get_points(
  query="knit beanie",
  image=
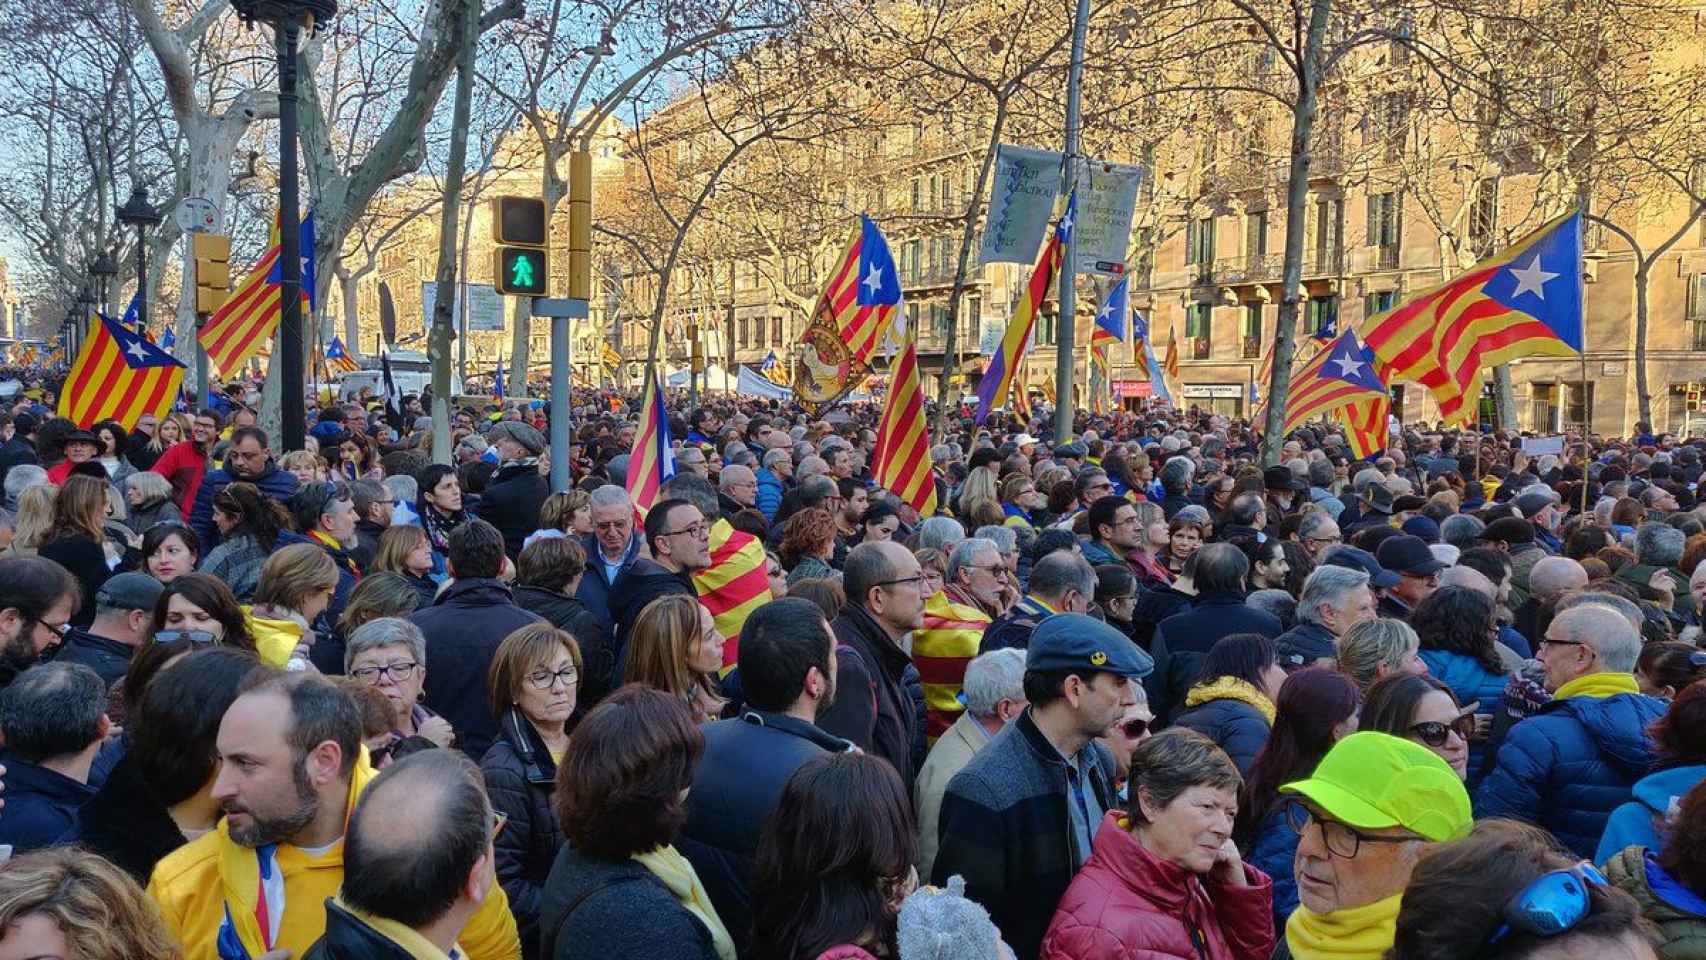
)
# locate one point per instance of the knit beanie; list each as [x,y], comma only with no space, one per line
[938,924]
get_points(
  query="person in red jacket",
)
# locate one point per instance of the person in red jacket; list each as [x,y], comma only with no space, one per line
[1165,880]
[185,463]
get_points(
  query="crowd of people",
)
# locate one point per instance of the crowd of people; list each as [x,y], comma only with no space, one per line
[1133,695]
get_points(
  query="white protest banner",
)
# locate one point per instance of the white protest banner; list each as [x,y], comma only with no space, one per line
[1021,200]
[1107,198]
[1536,446]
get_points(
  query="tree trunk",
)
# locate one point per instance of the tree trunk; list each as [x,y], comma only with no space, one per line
[968,235]
[1296,200]
[348,284]
[1643,393]
[1504,398]
[439,342]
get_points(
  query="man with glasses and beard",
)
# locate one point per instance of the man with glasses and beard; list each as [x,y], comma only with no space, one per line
[290,774]
[250,460]
[37,600]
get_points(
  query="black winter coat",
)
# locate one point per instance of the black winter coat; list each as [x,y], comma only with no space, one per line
[125,823]
[87,561]
[348,938]
[1233,725]
[873,707]
[736,787]
[519,774]
[598,650]
[640,584]
[1183,639]
[275,484]
[512,501]
[463,630]
[1155,604]
[108,658]
[597,909]
[41,805]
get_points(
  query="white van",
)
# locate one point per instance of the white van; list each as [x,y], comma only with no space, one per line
[411,375]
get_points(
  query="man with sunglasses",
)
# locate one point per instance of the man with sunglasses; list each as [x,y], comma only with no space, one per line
[1374,804]
[1569,766]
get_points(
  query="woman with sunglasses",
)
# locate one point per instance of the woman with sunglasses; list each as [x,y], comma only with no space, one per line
[1457,627]
[1421,709]
[531,688]
[1508,891]
[1316,708]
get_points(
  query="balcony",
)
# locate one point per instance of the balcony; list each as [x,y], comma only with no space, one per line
[1230,271]
[1386,257]
[1324,261]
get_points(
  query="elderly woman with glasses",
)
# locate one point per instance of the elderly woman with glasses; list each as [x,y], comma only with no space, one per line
[532,685]
[389,654]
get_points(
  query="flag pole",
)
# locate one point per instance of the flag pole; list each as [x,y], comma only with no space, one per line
[1067,339]
[1587,417]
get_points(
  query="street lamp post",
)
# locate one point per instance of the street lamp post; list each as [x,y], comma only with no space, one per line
[290,20]
[105,269]
[137,213]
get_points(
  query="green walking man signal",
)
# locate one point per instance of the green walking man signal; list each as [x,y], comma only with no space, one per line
[523,262]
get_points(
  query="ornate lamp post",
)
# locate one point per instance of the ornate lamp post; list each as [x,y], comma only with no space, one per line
[290,20]
[105,269]
[137,213]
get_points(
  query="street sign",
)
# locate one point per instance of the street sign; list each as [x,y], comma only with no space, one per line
[559,307]
[196,215]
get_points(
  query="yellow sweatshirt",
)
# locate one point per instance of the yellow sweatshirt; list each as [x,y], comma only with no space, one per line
[201,884]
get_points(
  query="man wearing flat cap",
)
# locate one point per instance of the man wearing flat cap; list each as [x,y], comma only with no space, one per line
[1017,822]
[517,492]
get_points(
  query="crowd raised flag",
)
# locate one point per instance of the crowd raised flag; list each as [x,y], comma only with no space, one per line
[338,359]
[651,462]
[250,318]
[901,460]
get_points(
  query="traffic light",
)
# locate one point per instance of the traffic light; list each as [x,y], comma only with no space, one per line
[523,260]
[212,253]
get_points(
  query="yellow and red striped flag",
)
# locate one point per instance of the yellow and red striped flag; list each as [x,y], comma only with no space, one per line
[901,460]
[863,295]
[734,585]
[119,376]
[1009,355]
[651,462]
[941,649]
[1365,425]
[250,318]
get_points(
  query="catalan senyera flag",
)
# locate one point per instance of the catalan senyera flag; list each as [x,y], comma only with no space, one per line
[119,376]
[1525,301]
[338,359]
[941,649]
[1341,374]
[1003,367]
[1021,394]
[863,294]
[250,317]
[1365,425]
[1259,387]
[651,462]
[1170,366]
[735,584]
[901,460]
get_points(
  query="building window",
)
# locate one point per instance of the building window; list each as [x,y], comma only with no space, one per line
[1543,406]
[1324,316]
[745,330]
[916,249]
[1199,248]
[912,316]
[1484,218]
[777,331]
[1329,236]
[1256,235]
[1378,302]
[917,189]
[1045,330]
[1576,412]
[759,336]
[1252,331]
[1385,227]
[1199,324]
[1697,311]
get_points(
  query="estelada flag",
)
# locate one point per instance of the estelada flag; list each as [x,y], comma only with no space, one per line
[119,376]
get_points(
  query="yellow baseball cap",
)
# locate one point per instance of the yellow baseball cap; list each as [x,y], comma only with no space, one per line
[1375,780]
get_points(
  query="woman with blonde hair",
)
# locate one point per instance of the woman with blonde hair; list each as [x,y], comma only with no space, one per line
[173,428]
[33,519]
[675,647]
[531,688]
[406,551]
[296,586]
[569,511]
[1376,649]
[305,465]
[979,489]
[67,902]
[76,536]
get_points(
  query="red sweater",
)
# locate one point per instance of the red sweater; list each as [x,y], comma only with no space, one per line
[1126,904]
[184,466]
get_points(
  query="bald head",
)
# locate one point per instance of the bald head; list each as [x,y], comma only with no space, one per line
[1471,578]
[1555,576]
[388,871]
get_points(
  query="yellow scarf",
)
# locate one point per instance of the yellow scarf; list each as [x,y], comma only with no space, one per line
[1231,688]
[1362,933]
[1598,685]
[678,877]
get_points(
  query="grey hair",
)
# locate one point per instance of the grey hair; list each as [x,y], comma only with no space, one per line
[941,453]
[1321,472]
[1277,602]
[1177,471]
[993,677]
[1373,644]
[1365,478]
[1460,530]
[1658,544]
[1313,521]
[809,466]
[965,554]
[402,487]
[1194,513]
[940,533]
[772,456]
[1061,571]
[385,632]
[1006,539]
[22,477]
[609,495]
[1626,607]
[148,483]
[696,490]
[1331,586]
[1609,633]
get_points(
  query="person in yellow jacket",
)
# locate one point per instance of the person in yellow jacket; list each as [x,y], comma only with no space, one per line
[255,888]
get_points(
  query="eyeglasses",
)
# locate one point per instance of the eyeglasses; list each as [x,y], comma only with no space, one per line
[916,579]
[200,638]
[546,679]
[399,672]
[698,531]
[1342,839]
[999,571]
[1552,904]
[1324,540]
[1133,729]
[1549,642]
[1435,733]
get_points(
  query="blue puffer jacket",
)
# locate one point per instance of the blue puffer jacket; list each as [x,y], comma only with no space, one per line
[1233,725]
[1470,682]
[1633,824]
[1273,851]
[1568,766]
[769,493]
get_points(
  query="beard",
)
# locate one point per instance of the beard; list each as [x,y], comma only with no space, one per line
[19,653]
[260,831]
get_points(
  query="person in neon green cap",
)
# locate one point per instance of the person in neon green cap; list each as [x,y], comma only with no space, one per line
[1373,805]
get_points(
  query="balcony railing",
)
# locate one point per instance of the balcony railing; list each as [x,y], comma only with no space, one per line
[1252,348]
[1387,258]
[1324,262]
[1248,269]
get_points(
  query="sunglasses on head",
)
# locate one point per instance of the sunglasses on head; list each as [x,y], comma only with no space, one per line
[1434,733]
[1133,729]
